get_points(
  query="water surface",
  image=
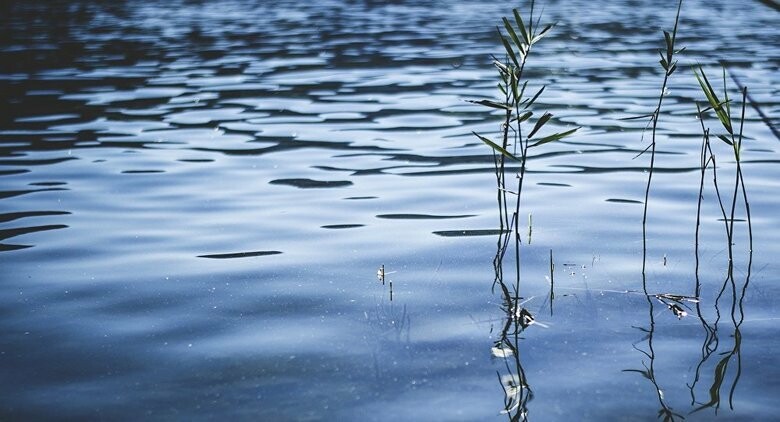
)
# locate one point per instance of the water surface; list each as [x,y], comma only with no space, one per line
[195,198]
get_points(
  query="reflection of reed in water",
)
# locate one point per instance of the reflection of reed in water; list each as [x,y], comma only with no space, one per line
[513,380]
[391,326]
[733,297]
[730,288]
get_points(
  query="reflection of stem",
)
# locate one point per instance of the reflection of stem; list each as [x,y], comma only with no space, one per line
[649,371]
[721,369]
[552,282]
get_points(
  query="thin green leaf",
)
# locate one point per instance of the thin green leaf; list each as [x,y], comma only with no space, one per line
[644,116]
[523,117]
[712,98]
[509,50]
[512,34]
[491,104]
[523,31]
[672,68]
[535,97]
[554,137]
[645,374]
[513,84]
[669,45]
[542,33]
[726,94]
[719,110]
[495,146]
[663,61]
[710,108]
[725,139]
[539,123]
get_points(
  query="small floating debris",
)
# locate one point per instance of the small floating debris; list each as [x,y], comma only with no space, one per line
[675,303]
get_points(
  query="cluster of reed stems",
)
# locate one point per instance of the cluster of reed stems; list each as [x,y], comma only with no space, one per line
[520,132]
[721,107]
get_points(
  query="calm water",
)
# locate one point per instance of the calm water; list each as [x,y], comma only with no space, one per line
[195,198]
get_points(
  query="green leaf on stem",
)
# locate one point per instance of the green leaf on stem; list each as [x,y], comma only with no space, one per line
[496,147]
[554,137]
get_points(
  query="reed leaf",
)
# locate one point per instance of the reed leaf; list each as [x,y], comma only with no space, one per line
[509,50]
[491,104]
[542,33]
[530,103]
[554,137]
[521,26]
[496,147]
[539,123]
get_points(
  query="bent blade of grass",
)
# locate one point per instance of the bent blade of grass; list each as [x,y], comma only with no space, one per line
[542,33]
[712,98]
[496,147]
[509,50]
[491,104]
[644,116]
[554,137]
[523,31]
[539,123]
[530,103]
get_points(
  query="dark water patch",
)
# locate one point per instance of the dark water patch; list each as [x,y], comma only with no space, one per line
[12,193]
[12,172]
[41,162]
[196,160]
[6,247]
[239,254]
[554,184]
[311,184]
[11,216]
[48,183]
[469,233]
[624,201]
[142,171]
[342,226]
[606,170]
[422,216]
[359,198]
[9,233]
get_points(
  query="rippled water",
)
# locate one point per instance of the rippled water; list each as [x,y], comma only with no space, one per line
[196,196]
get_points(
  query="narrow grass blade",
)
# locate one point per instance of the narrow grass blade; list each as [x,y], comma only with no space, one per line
[539,123]
[509,50]
[523,117]
[530,103]
[725,139]
[496,147]
[644,116]
[709,92]
[554,137]
[542,33]
[491,104]
[523,31]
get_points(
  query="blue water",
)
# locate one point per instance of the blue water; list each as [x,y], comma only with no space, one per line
[195,198]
